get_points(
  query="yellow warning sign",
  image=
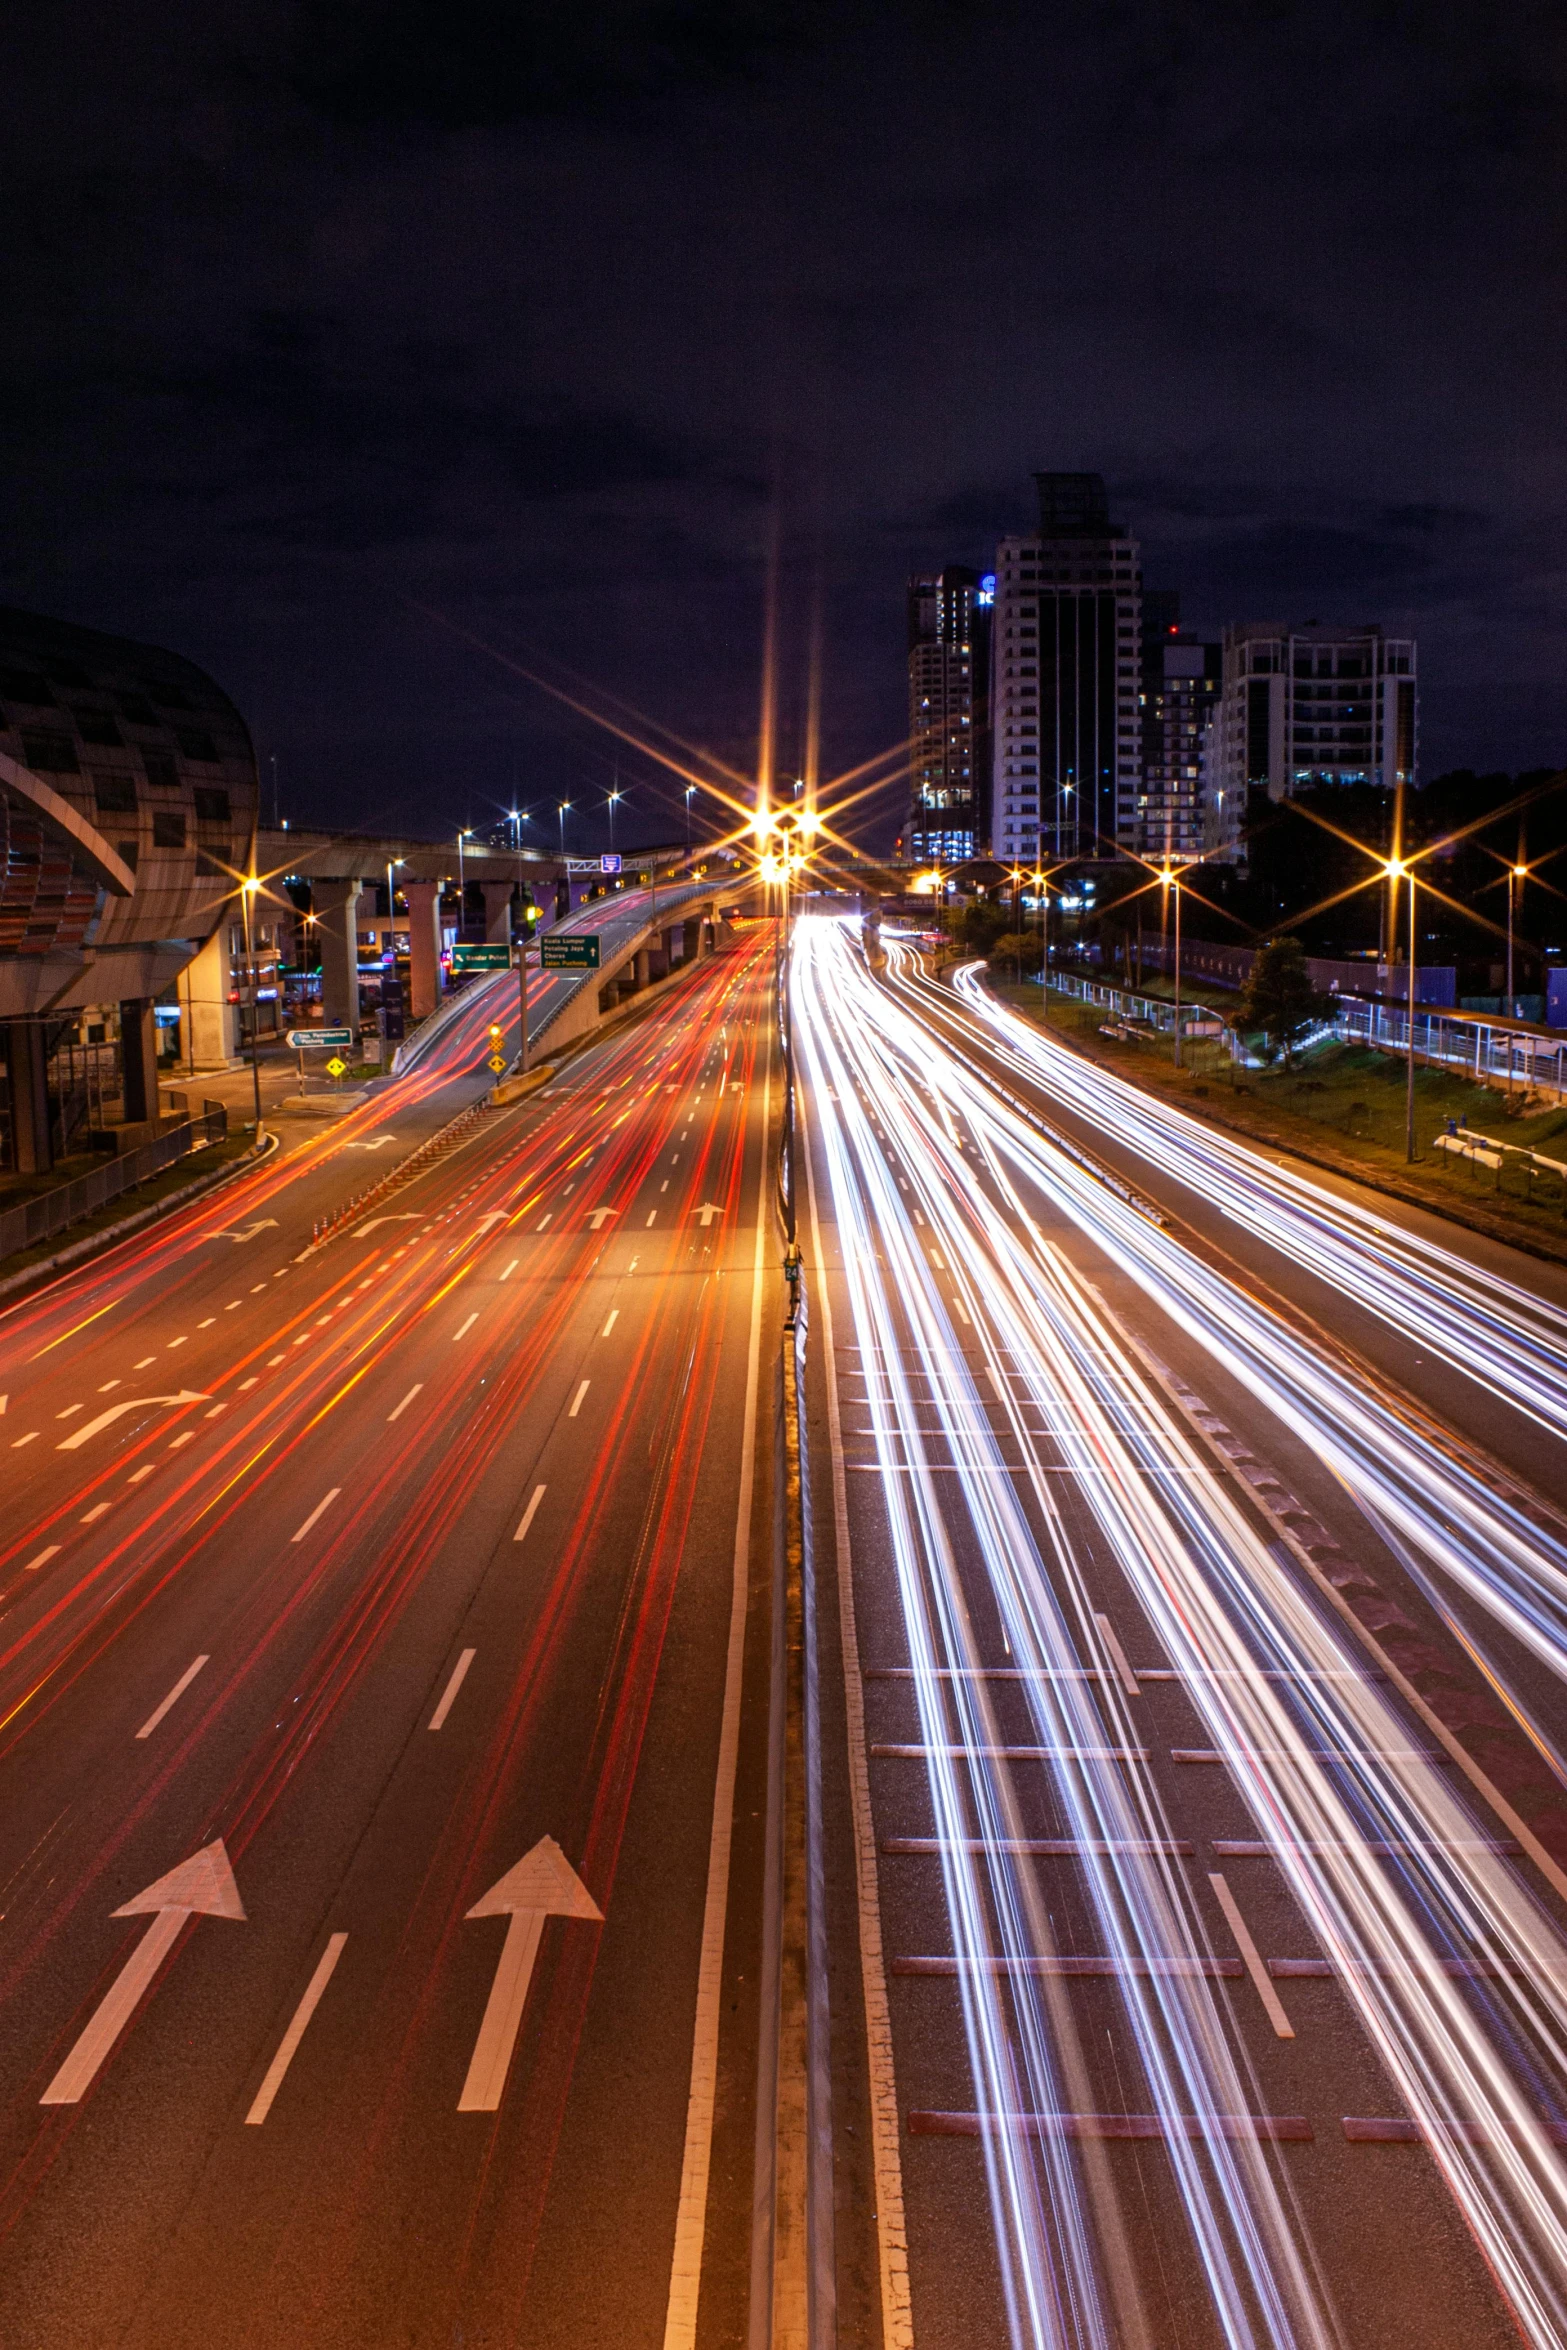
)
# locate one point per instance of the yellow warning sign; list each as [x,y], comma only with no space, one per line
[336,1068]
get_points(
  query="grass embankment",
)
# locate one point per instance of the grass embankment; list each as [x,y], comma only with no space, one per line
[1343,1105]
[129,1203]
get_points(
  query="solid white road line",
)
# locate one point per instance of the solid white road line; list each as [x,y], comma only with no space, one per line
[610,1324]
[174,1696]
[467,1326]
[318,1982]
[1254,1966]
[43,1558]
[317,1511]
[527,1515]
[897,2321]
[448,1695]
[685,2270]
[407,1400]
[1128,1679]
[576,1401]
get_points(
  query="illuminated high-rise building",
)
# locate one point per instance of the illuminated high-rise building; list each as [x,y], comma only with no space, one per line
[949,705]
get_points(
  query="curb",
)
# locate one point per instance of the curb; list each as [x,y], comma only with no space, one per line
[98,1244]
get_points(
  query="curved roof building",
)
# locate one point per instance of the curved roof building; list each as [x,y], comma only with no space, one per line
[128,803]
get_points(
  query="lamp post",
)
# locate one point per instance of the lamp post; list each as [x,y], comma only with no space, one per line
[1396,871]
[1042,887]
[246,895]
[1515,873]
[1170,881]
[690,790]
[614,802]
[561,812]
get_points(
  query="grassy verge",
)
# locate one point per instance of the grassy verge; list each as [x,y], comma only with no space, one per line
[129,1203]
[1343,1106]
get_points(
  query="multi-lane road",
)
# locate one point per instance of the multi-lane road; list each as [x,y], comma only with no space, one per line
[1204,1678]
[387,1650]
[371,1654]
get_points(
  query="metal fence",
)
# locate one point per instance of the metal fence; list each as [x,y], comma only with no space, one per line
[50,1212]
[1467,1045]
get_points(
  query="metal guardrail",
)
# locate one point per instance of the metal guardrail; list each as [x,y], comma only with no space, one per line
[33,1220]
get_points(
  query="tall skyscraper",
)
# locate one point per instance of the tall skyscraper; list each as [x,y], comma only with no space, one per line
[950,615]
[1180,685]
[1308,706]
[1066,762]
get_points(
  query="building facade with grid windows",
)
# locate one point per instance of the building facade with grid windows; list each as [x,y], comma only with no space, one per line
[950,613]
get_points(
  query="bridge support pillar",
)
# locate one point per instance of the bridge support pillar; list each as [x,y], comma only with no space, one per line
[337,934]
[644,966]
[692,932]
[213,1042]
[138,1059]
[497,912]
[32,1151]
[424,947]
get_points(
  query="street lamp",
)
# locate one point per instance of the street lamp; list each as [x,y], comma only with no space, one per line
[561,812]
[1396,870]
[246,895]
[690,792]
[1515,873]
[615,798]
[1167,876]
[1042,888]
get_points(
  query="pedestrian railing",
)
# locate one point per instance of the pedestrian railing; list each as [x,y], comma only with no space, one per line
[40,1218]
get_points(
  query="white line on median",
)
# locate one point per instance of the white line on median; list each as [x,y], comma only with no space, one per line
[174,1696]
[527,1515]
[448,1695]
[317,1511]
[407,1400]
[296,2030]
[576,1401]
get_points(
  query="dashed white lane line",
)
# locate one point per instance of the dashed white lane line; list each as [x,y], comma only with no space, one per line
[539,1227]
[527,1515]
[407,1400]
[467,1326]
[320,1508]
[1254,1964]
[576,1401]
[664,1186]
[69,1409]
[145,1360]
[318,1982]
[962,1309]
[108,1387]
[50,1550]
[186,1436]
[449,1693]
[652,1218]
[99,1510]
[256,1287]
[233,1305]
[174,1342]
[511,1268]
[217,1407]
[610,1324]
[250,1382]
[1124,1673]
[17,1442]
[137,1475]
[273,1361]
[174,1696]
[207,1324]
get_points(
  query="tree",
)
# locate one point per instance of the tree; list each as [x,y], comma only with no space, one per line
[1279,1000]
[1016,950]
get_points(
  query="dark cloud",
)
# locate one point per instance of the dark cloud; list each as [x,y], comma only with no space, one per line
[318,312]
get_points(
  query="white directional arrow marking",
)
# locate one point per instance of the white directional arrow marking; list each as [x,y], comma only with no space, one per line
[363,1231]
[598,1215]
[133,1403]
[543,1884]
[707,1212]
[202,1886]
[377,1142]
[495,1216]
[267,1224]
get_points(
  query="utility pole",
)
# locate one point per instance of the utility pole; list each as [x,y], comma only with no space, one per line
[246,894]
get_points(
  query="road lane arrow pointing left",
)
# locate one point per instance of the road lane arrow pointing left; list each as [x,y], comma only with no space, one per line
[133,1403]
[543,1884]
[202,1886]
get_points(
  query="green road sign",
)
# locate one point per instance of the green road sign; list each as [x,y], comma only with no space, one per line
[573,953]
[485,958]
[306,1040]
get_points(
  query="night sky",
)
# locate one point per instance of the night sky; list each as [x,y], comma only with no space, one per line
[543,317]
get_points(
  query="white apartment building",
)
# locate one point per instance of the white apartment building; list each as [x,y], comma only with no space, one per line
[1066,649]
[1307,706]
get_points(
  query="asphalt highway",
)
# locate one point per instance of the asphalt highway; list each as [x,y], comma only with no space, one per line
[1202,1688]
[371,1638]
